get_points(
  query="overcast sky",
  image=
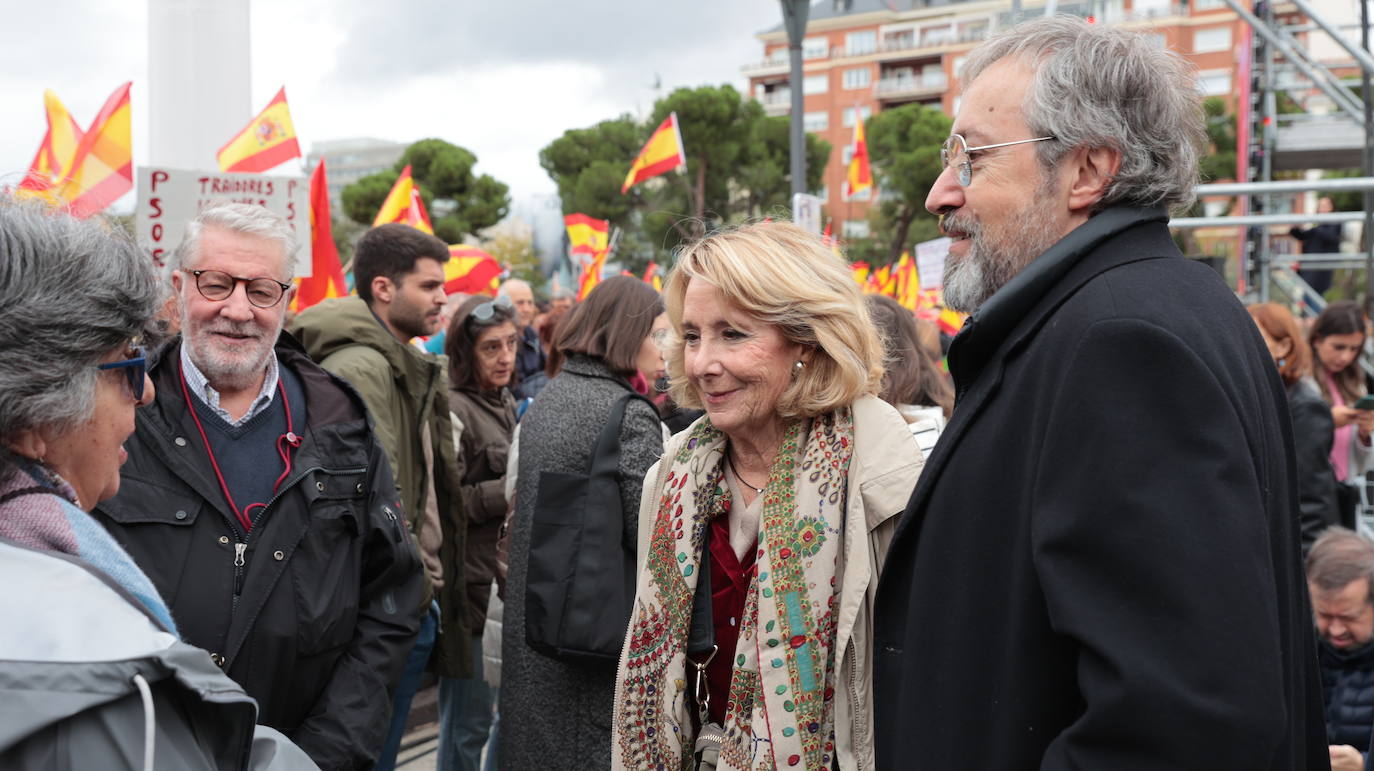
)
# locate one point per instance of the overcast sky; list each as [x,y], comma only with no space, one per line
[501,79]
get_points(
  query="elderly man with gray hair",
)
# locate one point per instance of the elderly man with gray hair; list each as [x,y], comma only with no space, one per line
[1099,567]
[262,506]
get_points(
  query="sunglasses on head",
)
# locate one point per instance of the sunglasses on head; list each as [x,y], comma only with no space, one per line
[135,370]
[484,312]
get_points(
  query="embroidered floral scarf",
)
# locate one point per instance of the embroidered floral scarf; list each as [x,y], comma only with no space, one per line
[779,712]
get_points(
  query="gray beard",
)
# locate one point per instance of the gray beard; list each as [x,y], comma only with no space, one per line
[994,258]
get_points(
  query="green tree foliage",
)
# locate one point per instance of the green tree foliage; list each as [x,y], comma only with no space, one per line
[904,149]
[737,167]
[1220,161]
[459,201]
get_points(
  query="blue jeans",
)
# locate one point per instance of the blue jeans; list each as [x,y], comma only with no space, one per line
[406,688]
[465,717]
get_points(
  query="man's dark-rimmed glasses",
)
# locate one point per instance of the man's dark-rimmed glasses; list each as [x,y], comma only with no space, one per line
[217,285]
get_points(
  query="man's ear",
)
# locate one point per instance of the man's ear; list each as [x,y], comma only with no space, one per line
[1093,170]
[177,278]
[382,289]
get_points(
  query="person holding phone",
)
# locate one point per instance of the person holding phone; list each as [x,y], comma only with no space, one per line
[1337,338]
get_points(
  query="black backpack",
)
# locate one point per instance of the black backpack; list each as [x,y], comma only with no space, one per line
[580,582]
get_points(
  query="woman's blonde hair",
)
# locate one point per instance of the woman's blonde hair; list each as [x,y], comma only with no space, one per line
[784,276]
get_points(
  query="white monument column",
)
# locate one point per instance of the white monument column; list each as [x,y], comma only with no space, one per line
[199,79]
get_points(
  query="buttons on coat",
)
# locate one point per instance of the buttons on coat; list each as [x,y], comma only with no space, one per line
[224,539]
[359,488]
[180,441]
[319,486]
[180,515]
[217,659]
[278,556]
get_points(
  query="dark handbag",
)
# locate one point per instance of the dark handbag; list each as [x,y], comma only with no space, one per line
[579,584]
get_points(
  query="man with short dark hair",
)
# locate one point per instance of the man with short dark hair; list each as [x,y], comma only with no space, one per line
[259,501]
[1099,566]
[1340,575]
[399,276]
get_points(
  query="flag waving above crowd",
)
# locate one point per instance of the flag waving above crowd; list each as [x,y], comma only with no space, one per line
[661,154]
[87,170]
[268,140]
[404,205]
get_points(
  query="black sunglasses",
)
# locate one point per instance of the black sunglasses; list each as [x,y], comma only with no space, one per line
[135,370]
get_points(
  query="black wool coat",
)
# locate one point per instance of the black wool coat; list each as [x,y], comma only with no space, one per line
[1099,567]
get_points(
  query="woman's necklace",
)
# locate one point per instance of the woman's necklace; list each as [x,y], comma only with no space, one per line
[731,463]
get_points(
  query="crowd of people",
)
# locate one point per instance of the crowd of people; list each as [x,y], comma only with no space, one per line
[748,523]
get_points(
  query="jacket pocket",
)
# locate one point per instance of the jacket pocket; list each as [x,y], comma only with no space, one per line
[156,526]
[326,565]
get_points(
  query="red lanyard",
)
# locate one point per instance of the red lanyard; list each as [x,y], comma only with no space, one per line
[289,439]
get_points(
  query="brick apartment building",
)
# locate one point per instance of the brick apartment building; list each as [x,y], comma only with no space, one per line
[865,56]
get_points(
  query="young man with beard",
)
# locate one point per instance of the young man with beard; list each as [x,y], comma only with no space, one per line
[260,503]
[1099,567]
[399,276]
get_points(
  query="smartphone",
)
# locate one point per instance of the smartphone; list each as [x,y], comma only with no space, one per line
[1365,403]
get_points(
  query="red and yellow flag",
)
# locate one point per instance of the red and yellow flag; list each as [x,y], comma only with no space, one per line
[102,167]
[859,177]
[588,235]
[661,154]
[591,275]
[268,140]
[326,275]
[403,204]
[860,272]
[56,152]
[908,283]
[652,277]
[471,271]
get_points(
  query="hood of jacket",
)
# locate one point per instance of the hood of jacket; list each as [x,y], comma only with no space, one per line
[343,322]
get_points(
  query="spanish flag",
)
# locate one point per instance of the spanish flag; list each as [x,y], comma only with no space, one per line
[859,177]
[661,154]
[860,271]
[102,168]
[588,235]
[57,150]
[268,140]
[908,283]
[591,275]
[471,271]
[326,275]
[403,204]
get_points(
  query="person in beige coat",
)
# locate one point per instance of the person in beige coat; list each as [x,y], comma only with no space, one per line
[771,516]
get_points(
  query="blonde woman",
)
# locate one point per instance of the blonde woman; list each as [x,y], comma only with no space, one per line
[779,504]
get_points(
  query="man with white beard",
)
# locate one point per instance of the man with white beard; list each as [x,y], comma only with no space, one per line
[1099,566]
[260,503]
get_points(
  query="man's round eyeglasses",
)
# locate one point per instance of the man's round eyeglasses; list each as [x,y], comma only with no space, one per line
[135,368]
[956,152]
[217,285]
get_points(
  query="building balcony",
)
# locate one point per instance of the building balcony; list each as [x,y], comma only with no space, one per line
[775,66]
[911,86]
[776,102]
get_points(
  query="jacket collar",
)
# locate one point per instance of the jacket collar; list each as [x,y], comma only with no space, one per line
[1044,279]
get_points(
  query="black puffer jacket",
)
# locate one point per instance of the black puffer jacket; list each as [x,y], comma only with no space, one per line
[1313,430]
[1348,691]
[329,582]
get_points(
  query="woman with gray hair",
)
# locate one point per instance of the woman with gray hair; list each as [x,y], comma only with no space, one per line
[764,526]
[76,323]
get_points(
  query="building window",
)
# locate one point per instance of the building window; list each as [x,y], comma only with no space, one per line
[855,229]
[860,43]
[1207,5]
[861,77]
[866,112]
[816,84]
[847,155]
[1214,82]
[813,48]
[1213,39]
[816,121]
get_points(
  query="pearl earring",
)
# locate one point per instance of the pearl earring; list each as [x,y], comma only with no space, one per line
[799,366]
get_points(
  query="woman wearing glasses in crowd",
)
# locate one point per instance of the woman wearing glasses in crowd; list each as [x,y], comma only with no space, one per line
[86,638]
[481,343]
[770,516]
[556,712]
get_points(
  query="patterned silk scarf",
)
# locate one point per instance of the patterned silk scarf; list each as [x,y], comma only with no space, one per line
[779,712]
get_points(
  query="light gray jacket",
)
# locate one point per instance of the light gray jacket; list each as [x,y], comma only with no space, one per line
[86,676]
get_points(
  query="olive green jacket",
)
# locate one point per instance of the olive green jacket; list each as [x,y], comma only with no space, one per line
[406,391]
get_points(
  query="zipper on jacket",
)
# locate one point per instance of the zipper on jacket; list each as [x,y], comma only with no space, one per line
[239,549]
[853,655]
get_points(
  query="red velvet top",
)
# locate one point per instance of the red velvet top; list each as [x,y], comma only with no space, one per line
[730,579]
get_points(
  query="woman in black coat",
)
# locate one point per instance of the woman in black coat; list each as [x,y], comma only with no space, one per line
[1318,503]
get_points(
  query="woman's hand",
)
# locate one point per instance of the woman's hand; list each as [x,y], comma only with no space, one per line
[1343,416]
[1364,424]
